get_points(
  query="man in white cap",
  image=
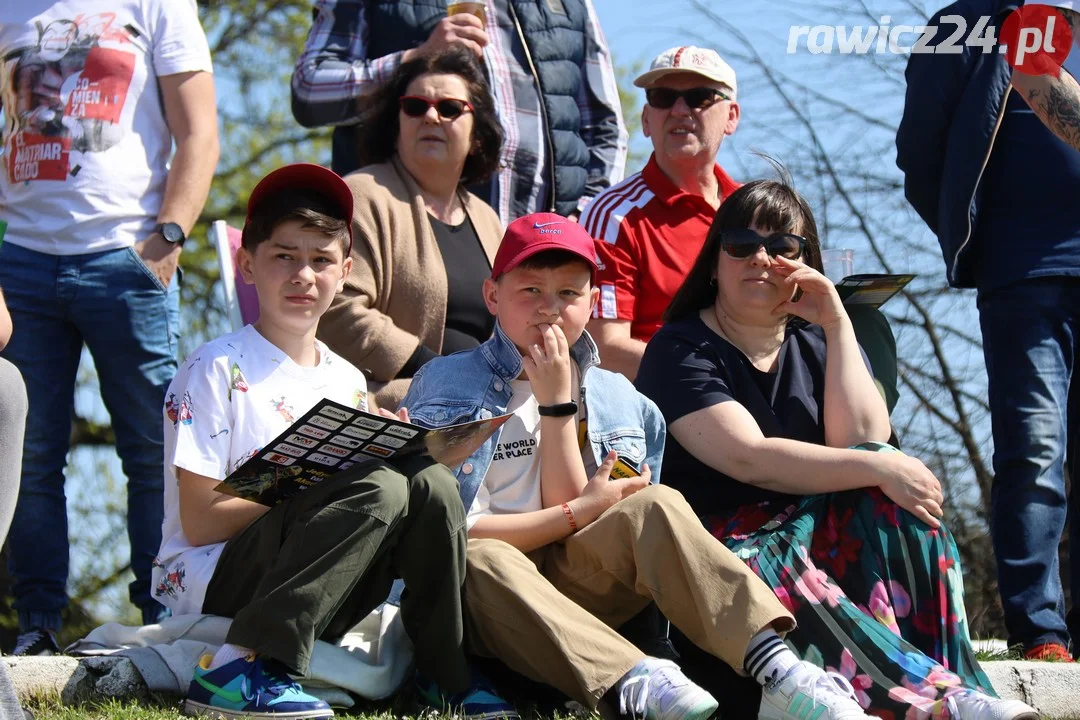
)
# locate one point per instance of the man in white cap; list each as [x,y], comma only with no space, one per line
[650,228]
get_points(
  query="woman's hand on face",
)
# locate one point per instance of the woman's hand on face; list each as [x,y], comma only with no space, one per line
[548,367]
[820,303]
[911,485]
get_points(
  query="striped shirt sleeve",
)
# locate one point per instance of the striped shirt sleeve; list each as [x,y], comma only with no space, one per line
[333,70]
[617,278]
[602,125]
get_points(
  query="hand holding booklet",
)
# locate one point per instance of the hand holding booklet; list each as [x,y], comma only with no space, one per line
[332,437]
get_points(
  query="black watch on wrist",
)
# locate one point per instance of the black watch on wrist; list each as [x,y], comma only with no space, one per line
[561,410]
[173,233]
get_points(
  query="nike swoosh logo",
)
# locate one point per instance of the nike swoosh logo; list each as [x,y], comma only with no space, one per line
[233,696]
[537,225]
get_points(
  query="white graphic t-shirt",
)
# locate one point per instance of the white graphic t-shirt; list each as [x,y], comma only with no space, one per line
[231,397]
[512,483]
[85,142]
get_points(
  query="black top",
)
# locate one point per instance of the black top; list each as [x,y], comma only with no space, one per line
[468,322]
[687,367]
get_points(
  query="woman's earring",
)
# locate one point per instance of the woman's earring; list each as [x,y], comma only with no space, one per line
[712,282]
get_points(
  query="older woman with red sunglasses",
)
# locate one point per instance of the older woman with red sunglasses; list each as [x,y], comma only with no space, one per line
[423,244]
[776,436]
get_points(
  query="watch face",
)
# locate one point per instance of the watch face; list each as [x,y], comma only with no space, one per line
[172,232]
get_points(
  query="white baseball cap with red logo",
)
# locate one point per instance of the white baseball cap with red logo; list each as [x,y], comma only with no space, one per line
[689,59]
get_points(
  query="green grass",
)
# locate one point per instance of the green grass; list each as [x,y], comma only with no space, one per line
[1016,652]
[168,708]
[162,707]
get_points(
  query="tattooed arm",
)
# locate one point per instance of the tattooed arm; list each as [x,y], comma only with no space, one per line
[1055,100]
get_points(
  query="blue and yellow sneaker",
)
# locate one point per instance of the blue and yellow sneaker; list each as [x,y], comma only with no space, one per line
[252,687]
[478,702]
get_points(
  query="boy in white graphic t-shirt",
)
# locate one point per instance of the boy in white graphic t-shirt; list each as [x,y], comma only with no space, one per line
[314,565]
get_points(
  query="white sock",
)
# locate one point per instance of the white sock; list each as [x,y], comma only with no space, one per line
[228,653]
[768,657]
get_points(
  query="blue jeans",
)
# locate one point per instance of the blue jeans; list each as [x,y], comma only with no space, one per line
[1031,339]
[130,323]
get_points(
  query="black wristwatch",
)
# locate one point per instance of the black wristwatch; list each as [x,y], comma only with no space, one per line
[172,233]
[561,410]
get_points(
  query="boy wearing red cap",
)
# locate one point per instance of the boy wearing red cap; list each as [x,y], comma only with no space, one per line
[556,558]
[316,564]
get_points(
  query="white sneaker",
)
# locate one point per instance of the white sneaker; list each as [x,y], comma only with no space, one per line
[807,692]
[974,705]
[657,690]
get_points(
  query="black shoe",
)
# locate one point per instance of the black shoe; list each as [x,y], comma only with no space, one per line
[35,641]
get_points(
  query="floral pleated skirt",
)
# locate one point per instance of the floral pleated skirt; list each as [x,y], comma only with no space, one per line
[878,595]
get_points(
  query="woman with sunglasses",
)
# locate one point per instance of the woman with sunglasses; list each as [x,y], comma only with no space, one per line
[423,244]
[776,436]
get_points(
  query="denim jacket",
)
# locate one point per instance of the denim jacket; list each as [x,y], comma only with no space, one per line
[475,384]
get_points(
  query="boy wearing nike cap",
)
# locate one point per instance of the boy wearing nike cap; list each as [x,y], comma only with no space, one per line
[317,563]
[562,549]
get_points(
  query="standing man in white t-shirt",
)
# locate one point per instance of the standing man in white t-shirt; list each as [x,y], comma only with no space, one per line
[94,93]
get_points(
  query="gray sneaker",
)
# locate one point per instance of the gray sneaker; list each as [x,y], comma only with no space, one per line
[35,641]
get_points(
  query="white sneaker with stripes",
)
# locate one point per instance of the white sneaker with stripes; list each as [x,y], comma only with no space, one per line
[807,692]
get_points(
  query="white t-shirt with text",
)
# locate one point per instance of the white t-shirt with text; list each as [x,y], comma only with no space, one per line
[85,142]
[231,397]
[512,482]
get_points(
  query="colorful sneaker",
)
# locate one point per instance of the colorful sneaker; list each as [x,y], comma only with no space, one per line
[478,702]
[657,690]
[36,641]
[973,705]
[807,691]
[1052,652]
[255,686]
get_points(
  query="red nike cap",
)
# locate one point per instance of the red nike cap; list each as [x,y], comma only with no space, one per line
[538,232]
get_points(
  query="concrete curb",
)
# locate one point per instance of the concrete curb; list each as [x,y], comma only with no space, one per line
[76,680]
[1051,688]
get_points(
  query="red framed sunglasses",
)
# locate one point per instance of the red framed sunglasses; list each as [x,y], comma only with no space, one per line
[448,108]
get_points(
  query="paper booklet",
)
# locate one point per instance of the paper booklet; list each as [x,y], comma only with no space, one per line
[871,289]
[332,437]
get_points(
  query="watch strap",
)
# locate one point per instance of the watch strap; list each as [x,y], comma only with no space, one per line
[561,410]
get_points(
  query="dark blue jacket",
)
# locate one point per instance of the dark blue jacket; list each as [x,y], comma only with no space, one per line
[953,108]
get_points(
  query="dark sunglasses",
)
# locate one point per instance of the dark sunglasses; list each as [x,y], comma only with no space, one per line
[744,243]
[663,98]
[448,108]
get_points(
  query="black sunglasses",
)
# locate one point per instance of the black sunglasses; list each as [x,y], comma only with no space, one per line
[744,243]
[448,108]
[663,98]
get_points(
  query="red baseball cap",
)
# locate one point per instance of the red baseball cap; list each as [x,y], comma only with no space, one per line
[305,176]
[538,232]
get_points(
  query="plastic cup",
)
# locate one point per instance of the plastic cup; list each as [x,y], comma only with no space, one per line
[838,263]
[454,7]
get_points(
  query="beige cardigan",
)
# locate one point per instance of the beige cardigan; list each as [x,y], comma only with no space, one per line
[395,297]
